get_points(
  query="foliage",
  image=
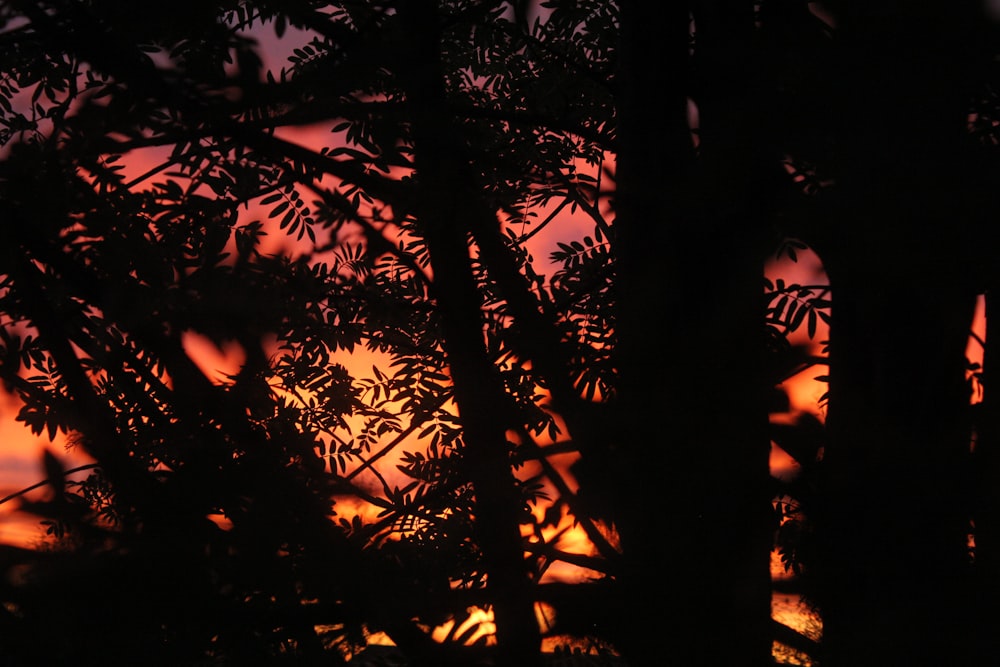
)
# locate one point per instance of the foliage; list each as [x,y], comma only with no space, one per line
[152,197]
[161,188]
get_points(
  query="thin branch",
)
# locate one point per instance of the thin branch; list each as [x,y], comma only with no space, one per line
[608,552]
[38,485]
[793,638]
[580,560]
[977,338]
[337,201]
[414,425]
[565,202]
[590,209]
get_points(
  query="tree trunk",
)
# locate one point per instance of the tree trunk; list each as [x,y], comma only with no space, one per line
[692,391]
[447,201]
[895,526]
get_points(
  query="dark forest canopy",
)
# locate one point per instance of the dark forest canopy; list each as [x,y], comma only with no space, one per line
[456,245]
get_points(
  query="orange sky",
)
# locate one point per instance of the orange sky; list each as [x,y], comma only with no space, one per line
[20,452]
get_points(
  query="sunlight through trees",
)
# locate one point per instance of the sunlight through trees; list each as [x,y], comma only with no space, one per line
[450,333]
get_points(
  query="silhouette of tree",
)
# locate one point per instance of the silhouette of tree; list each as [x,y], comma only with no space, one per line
[898,579]
[155,189]
[410,227]
[874,126]
[709,353]
[895,159]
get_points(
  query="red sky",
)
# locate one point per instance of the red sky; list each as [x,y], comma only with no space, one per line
[20,452]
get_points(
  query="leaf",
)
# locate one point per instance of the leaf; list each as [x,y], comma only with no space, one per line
[279,209]
[779,308]
[796,314]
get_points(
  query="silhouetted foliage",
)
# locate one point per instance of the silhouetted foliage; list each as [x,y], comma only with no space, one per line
[493,322]
[290,509]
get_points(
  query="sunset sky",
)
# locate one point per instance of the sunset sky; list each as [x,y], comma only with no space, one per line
[22,453]
[370,477]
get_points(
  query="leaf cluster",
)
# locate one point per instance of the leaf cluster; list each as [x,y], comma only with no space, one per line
[150,200]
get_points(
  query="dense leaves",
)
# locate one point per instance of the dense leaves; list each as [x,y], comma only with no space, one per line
[157,200]
[394,226]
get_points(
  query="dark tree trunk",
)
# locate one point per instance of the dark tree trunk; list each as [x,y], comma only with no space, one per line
[895,524]
[447,207]
[987,509]
[697,536]
[897,528]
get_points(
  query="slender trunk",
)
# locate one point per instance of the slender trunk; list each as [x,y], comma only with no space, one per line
[691,392]
[654,143]
[448,198]
[536,339]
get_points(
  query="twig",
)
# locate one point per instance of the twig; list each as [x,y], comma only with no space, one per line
[42,483]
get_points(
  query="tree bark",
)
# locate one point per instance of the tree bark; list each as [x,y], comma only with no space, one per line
[691,393]
[895,526]
[446,204]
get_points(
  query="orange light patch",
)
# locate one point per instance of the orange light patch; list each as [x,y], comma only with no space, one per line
[217,362]
[477,626]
